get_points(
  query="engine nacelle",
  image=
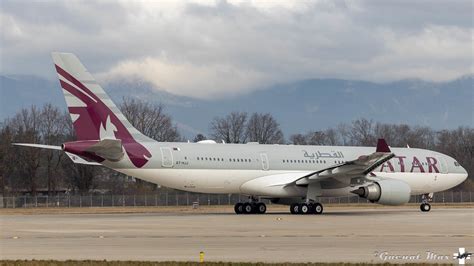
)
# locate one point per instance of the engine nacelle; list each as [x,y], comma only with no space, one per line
[385,192]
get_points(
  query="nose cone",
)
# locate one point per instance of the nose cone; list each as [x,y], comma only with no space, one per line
[464,174]
[459,176]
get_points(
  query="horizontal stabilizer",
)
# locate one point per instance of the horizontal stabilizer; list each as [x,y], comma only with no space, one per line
[74,158]
[41,146]
[110,149]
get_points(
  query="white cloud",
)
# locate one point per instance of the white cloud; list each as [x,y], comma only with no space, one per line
[199,81]
[210,49]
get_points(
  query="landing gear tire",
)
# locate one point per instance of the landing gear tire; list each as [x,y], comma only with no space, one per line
[318,208]
[261,208]
[248,208]
[425,207]
[294,208]
[239,208]
[304,208]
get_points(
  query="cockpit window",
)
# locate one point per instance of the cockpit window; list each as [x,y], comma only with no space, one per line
[456,163]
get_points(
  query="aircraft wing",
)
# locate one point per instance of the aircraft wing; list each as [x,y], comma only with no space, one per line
[291,183]
[275,185]
[358,168]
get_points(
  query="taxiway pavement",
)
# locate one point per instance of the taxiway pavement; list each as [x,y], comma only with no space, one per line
[340,234]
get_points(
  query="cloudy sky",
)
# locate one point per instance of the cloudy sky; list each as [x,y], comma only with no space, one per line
[213,49]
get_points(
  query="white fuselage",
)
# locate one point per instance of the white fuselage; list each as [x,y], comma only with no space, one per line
[224,168]
[105,136]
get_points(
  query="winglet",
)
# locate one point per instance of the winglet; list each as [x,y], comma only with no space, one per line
[382,146]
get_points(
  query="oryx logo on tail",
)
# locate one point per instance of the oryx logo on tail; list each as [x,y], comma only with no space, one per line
[94,115]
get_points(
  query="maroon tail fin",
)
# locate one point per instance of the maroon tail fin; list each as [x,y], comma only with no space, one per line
[94,115]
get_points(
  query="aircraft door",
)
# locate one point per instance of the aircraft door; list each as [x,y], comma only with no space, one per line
[166,157]
[265,163]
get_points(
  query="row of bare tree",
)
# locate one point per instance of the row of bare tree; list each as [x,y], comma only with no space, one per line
[238,128]
[28,170]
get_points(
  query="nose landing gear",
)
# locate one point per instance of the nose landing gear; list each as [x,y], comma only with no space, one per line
[425,207]
[425,199]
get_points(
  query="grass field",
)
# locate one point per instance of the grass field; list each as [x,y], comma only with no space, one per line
[172,263]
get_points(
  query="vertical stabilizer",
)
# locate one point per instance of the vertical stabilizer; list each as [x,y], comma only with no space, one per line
[94,115]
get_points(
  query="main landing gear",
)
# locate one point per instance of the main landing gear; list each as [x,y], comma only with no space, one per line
[425,199]
[252,207]
[306,208]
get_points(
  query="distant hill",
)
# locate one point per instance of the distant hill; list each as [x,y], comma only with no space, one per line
[299,106]
[17,92]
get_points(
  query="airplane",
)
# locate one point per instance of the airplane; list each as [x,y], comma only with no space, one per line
[293,175]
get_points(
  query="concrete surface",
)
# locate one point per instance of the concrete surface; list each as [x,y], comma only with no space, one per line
[340,234]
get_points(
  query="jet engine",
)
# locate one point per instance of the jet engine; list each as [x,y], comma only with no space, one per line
[385,192]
